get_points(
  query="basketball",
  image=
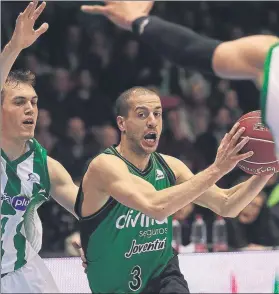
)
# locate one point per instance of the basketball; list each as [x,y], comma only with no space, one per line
[264,160]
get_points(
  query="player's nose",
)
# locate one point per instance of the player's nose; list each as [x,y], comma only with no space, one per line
[29,109]
[151,122]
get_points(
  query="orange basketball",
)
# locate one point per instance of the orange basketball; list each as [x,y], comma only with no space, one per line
[264,160]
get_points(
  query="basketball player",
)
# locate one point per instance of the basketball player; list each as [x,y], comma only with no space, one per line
[254,57]
[129,193]
[28,175]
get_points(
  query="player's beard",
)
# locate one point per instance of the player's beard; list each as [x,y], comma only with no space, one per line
[135,145]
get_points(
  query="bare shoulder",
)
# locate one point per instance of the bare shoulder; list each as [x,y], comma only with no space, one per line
[180,170]
[51,163]
[105,163]
[104,169]
[173,162]
[56,170]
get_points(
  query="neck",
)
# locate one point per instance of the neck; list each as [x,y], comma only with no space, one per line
[13,148]
[138,160]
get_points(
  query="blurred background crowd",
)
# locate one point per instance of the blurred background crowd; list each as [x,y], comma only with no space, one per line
[84,62]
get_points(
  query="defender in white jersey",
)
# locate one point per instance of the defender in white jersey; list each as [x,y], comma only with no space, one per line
[270,93]
[28,175]
[239,59]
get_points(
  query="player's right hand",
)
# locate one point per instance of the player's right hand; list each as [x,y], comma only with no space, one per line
[121,13]
[24,34]
[228,152]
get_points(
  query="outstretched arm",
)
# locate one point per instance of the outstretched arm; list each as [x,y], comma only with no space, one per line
[24,36]
[240,59]
[63,189]
[224,202]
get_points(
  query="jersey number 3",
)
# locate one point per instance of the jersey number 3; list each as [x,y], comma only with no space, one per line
[136,283]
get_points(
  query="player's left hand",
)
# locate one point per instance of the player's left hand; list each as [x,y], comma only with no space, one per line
[24,34]
[121,13]
[78,247]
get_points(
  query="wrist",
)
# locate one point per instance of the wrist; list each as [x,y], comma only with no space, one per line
[12,48]
[215,171]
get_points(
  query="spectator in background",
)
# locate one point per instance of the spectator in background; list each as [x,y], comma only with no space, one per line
[208,142]
[218,94]
[43,130]
[231,102]
[125,67]
[43,73]
[68,54]
[175,140]
[201,122]
[105,135]
[88,101]
[72,151]
[255,228]
[35,65]
[99,53]
[222,123]
[56,98]
[62,84]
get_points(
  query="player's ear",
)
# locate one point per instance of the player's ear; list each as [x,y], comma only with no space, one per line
[121,123]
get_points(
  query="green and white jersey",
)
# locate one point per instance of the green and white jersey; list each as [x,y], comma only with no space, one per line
[25,185]
[124,248]
[270,94]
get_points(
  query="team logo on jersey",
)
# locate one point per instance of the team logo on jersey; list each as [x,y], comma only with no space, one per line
[159,175]
[19,202]
[34,178]
[156,245]
[136,218]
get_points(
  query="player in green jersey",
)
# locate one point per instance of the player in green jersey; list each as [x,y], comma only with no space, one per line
[28,175]
[253,57]
[129,193]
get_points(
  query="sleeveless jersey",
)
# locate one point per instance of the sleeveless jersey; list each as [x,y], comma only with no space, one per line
[125,249]
[25,186]
[270,94]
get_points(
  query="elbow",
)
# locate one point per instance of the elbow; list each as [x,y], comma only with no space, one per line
[158,212]
[228,211]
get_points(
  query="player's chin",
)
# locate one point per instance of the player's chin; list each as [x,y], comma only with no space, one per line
[149,146]
[27,135]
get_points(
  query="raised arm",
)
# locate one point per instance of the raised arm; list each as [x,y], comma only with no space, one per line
[240,59]
[24,36]
[110,176]
[63,189]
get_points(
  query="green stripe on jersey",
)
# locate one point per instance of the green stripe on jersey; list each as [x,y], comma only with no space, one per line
[264,91]
[25,186]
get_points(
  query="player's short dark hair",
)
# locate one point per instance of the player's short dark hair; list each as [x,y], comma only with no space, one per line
[18,77]
[122,105]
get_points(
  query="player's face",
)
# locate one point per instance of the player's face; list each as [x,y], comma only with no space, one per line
[143,126]
[19,112]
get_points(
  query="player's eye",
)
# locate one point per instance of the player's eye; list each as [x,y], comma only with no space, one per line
[157,114]
[19,102]
[141,115]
